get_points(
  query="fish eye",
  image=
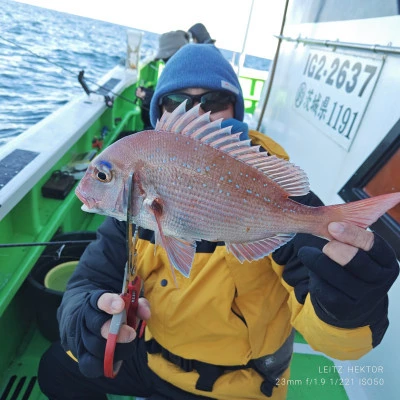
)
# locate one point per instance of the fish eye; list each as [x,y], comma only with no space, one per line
[103,174]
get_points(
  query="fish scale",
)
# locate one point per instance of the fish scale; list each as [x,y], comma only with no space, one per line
[196,181]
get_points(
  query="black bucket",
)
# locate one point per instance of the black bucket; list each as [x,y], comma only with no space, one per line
[44,300]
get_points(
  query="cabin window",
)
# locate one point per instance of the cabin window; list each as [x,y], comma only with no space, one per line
[379,175]
[384,182]
[305,11]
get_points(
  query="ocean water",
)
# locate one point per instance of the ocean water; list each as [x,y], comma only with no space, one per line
[42,52]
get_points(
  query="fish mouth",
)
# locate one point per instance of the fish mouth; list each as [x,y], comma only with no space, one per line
[89,202]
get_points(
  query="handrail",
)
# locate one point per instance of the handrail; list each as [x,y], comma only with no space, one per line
[376,48]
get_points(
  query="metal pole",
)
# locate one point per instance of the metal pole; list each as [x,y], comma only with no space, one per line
[272,71]
[375,48]
[242,54]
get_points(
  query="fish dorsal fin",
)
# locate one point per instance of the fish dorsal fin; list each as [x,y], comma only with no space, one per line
[168,122]
[196,124]
[160,122]
[287,175]
[203,132]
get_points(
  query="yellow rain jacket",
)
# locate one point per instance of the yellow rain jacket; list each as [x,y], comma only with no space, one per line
[228,313]
[225,314]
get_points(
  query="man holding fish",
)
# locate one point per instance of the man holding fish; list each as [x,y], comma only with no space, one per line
[232,251]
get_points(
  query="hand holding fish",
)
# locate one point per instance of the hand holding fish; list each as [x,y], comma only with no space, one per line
[349,278]
[347,239]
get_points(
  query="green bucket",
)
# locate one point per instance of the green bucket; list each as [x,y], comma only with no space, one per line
[48,278]
[57,278]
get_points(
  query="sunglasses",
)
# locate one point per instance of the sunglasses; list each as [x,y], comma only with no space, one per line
[214,101]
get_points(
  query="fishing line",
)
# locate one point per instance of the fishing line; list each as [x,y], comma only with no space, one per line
[37,55]
[67,70]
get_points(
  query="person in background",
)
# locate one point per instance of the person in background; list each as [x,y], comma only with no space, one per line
[168,44]
[227,331]
[200,34]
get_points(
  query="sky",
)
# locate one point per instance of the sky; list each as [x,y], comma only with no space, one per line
[226,20]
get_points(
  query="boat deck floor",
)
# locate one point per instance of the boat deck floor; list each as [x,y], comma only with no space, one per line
[306,381]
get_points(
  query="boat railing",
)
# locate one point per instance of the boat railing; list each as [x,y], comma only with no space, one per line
[252,82]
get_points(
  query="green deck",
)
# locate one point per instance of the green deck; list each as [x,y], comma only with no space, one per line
[20,381]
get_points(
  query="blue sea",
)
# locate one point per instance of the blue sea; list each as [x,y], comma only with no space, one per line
[42,52]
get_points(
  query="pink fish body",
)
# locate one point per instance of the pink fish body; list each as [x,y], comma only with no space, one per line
[194,180]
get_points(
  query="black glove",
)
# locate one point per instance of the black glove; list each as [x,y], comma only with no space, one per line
[91,345]
[354,295]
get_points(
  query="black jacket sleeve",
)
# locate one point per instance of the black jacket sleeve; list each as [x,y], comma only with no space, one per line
[100,270]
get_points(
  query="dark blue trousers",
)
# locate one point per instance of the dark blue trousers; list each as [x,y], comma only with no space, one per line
[60,379]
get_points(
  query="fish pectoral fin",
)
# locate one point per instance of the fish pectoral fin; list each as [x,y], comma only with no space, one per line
[255,250]
[180,253]
[157,241]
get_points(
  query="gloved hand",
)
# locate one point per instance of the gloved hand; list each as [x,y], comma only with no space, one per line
[237,126]
[350,277]
[95,329]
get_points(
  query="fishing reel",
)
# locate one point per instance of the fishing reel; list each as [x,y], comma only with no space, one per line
[108,99]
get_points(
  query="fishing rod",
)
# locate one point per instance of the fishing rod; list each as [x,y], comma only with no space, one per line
[80,75]
[31,244]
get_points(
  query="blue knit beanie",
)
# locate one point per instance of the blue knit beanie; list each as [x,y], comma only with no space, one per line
[197,66]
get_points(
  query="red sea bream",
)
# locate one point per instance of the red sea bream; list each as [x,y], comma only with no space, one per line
[194,180]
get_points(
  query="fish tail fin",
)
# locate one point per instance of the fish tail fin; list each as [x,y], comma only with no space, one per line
[362,213]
